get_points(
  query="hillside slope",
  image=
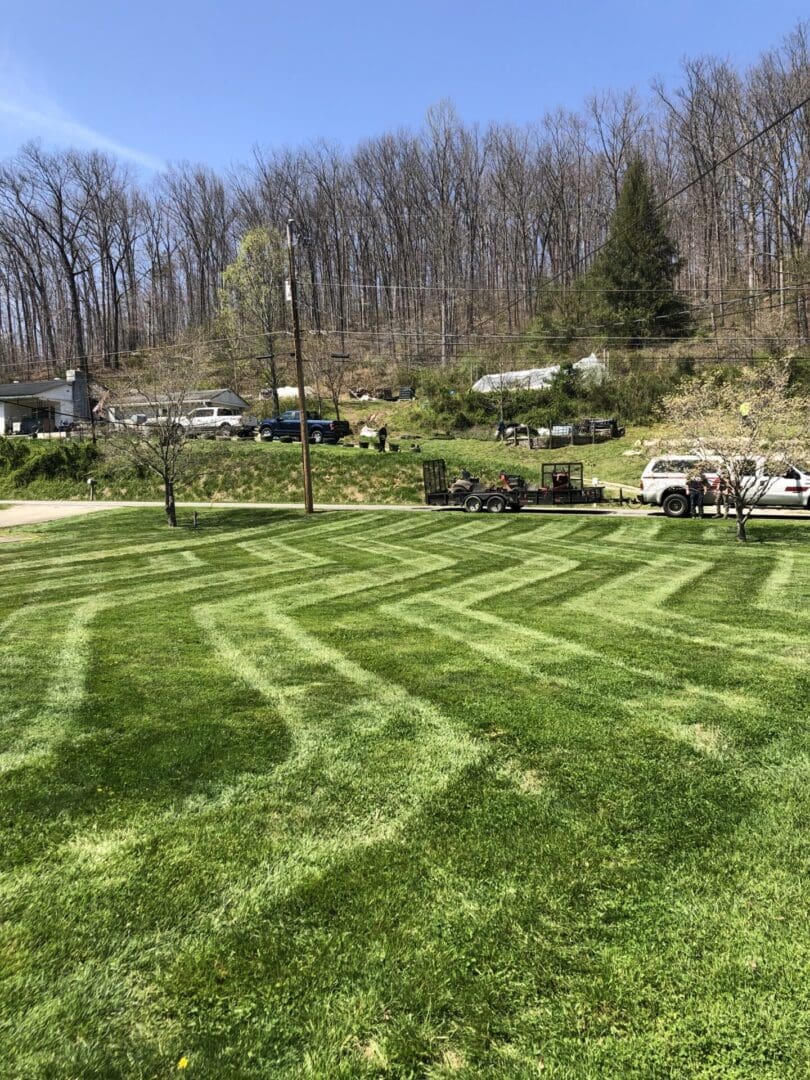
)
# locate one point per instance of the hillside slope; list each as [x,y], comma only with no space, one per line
[263,472]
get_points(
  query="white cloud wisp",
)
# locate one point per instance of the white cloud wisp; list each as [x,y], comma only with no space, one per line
[31,115]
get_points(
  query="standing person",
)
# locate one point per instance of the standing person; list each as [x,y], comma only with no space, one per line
[501,432]
[382,435]
[696,489]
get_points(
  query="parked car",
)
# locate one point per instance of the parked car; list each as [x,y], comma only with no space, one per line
[663,483]
[218,420]
[287,425]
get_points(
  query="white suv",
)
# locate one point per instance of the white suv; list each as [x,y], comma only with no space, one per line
[217,420]
[663,483]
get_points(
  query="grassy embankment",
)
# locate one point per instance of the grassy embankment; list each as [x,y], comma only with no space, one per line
[260,472]
[363,796]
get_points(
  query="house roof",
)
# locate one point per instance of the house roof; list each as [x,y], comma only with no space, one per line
[223,395]
[31,389]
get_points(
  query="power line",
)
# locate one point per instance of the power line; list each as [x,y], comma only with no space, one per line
[724,305]
[362,286]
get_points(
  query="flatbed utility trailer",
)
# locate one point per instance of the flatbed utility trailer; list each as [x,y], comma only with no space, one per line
[561,485]
[467,492]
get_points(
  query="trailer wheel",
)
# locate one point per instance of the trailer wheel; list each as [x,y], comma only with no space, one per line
[497,504]
[473,504]
[676,505]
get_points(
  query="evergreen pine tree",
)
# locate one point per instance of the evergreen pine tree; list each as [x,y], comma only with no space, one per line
[633,276]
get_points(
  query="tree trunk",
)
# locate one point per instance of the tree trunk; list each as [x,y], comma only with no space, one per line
[171,509]
[741,519]
[274,383]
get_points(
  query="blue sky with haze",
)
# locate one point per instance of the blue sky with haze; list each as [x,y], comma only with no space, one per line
[204,81]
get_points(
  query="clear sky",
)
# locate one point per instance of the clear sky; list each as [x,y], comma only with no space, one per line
[207,81]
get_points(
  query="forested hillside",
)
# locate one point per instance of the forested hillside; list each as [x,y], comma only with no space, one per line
[417,246]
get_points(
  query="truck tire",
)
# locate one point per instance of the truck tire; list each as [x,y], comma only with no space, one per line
[316,436]
[224,429]
[496,505]
[676,505]
[265,435]
[473,504]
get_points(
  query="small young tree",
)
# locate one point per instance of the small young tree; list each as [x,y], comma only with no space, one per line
[252,298]
[745,428]
[162,390]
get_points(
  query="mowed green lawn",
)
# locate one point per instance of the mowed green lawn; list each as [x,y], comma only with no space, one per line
[406,795]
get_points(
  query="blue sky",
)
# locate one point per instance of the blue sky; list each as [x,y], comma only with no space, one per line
[205,81]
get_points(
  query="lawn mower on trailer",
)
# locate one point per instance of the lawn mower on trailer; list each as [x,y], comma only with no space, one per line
[468,492]
[561,484]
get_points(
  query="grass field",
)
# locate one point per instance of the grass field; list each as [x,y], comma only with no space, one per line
[404,795]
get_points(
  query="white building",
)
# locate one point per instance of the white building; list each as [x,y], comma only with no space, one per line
[140,407]
[49,404]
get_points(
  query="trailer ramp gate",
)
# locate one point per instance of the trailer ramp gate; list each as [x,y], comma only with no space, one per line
[434,475]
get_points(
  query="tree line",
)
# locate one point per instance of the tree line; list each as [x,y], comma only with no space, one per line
[415,245]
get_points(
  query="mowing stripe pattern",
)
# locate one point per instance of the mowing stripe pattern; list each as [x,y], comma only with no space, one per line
[403,795]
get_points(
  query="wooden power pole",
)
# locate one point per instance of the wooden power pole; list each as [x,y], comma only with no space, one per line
[299,372]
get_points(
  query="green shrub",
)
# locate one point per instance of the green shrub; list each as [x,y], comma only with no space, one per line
[13,452]
[63,461]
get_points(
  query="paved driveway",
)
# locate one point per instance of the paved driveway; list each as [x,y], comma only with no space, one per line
[32,512]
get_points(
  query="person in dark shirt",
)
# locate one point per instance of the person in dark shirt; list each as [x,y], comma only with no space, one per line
[382,435]
[696,490]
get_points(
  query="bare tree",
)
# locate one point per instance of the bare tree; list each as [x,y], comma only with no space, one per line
[330,370]
[746,429]
[419,240]
[161,390]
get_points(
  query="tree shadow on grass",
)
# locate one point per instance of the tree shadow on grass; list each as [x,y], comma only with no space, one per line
[160,722]
[210,519]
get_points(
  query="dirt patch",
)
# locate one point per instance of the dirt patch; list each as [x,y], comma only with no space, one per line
[709,739]
[372,1053]
[453,1060]
[527,781]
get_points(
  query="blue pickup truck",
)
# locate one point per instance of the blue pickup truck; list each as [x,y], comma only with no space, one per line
[287,425]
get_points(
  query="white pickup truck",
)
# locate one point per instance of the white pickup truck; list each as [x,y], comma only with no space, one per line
[663,483]
[218,420]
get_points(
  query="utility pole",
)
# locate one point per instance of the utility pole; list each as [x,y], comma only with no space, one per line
[299,372]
